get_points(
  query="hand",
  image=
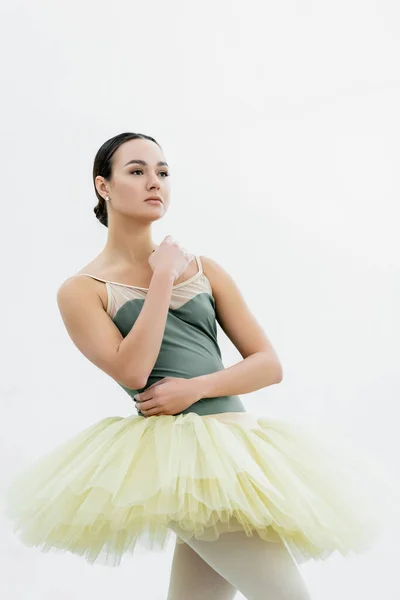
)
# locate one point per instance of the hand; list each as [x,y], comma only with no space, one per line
[168,396]
[170,257]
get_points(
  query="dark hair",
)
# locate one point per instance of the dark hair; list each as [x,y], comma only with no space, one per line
[103,166]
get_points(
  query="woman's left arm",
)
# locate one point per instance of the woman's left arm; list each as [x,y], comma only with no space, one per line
[260,366]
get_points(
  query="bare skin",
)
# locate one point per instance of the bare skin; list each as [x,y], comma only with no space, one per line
[129,243]
[125,259]
[140,277]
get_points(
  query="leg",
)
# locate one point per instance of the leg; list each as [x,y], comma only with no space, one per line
[260,570]
[194,579]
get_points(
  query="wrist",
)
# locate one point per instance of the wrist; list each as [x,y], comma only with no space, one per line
[201,386]
[164,275]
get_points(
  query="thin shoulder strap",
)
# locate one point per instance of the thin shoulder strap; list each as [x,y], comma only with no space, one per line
[200,266]
[198,261]
[94,277]
[108,281]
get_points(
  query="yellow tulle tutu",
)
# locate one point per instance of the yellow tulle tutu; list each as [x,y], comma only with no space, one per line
[125,480]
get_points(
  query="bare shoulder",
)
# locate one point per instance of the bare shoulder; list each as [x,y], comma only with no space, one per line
[217,275]
[225,289]
[90,327]
[80,289]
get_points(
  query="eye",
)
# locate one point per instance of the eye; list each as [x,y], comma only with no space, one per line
[166,174]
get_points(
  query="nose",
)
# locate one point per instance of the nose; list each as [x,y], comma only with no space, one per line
[153,181]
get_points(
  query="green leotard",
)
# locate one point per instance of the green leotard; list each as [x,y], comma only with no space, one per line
[189,347]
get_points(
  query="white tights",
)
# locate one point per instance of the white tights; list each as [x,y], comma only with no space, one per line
[260,570]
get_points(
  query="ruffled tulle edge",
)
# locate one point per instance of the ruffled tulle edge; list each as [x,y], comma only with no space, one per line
[109,548]
[73,499]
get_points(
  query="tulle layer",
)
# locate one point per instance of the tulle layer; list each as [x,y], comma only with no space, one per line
[128,481]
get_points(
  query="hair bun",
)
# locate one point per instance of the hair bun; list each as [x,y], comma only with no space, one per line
[100,210]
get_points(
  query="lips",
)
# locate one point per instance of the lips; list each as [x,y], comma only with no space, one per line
[154,199]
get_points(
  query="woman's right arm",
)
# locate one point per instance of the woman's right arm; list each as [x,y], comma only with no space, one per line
[128,360]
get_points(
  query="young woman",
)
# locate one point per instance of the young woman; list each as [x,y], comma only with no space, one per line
[247,497]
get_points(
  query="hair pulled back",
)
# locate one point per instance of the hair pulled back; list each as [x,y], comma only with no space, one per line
[103,163]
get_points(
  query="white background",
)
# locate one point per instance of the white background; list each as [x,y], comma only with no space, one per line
[280,122]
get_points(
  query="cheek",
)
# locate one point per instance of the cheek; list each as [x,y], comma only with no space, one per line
[128,190]
[127,183]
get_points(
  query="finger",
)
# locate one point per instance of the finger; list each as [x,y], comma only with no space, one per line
[149,412]
[146,405]
[154,412]
[146,395]
[156,383]
[168,239]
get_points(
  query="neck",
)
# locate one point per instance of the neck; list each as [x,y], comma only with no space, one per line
[128,243]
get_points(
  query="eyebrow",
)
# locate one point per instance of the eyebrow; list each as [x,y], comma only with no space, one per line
[143,162]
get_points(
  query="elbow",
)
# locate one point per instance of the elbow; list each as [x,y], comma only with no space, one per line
[134,382]
[279,373]
[140,383]
[130,377]
[274,369]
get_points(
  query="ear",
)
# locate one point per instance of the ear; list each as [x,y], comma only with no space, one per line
[101,186]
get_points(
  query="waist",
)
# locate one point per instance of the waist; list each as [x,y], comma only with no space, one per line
[212,406]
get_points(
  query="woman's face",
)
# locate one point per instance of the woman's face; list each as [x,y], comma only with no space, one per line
[133,182]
